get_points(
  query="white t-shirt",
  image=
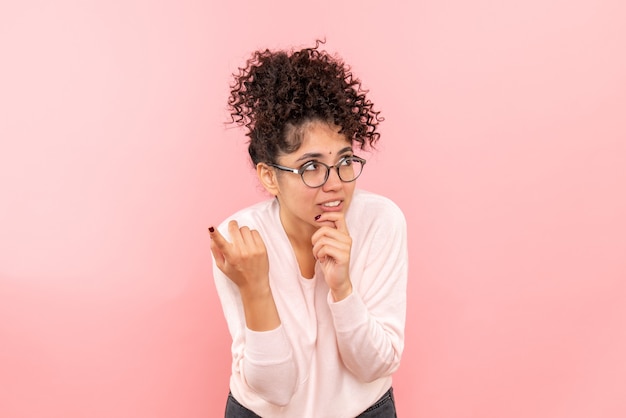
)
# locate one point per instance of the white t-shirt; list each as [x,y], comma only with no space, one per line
[326,359]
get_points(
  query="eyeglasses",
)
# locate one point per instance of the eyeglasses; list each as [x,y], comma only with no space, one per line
[315,174]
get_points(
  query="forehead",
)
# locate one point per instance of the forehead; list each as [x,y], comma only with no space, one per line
[321,138]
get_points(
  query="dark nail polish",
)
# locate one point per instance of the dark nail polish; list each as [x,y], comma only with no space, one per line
[318,217]
[211,229]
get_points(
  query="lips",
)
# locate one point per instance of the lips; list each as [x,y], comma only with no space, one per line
[332,205]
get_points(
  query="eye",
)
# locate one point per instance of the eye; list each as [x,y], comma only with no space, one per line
[311,166]
[346,161]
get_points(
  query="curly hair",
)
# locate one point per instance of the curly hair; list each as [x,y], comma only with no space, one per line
[277,92]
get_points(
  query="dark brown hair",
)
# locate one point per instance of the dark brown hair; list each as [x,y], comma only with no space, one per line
[278,91]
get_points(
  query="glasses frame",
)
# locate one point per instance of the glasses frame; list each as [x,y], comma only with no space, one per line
[302,169]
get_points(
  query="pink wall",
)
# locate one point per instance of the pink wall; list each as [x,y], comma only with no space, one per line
[505,144]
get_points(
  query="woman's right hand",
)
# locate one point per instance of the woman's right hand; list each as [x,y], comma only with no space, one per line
[244,260]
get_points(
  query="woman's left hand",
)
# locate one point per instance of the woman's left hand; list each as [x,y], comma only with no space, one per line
[331,247]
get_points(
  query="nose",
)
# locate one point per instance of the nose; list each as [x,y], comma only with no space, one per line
[333,182]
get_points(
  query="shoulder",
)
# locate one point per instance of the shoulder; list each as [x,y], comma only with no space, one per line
[375,219]
[367,205]
[378,228]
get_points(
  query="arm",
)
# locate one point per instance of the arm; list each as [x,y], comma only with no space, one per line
[262,354]
[370,331]
[369,323]
[245,262]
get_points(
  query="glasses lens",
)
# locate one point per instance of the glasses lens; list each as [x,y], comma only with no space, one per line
[350,169]
[314,174]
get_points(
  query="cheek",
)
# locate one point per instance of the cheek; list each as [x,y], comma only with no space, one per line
[349,188]
[296,193]
[306,197]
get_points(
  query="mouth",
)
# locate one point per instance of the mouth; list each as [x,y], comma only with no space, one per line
[332,206]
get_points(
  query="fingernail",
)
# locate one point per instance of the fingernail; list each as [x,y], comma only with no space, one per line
[211,229]
[318,217]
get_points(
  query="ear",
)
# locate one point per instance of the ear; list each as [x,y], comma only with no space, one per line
[267,177]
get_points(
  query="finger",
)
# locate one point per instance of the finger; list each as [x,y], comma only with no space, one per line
[217,238]
[246,235]
[331,248]
[341,225]
[328,255]
[257,239]
[337,218]
[220,260]
[328,237]
[235,233]
[241,237]
[331,234]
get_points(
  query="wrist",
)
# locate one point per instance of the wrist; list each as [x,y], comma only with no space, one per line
[341,293]
[259,308]
[257,291]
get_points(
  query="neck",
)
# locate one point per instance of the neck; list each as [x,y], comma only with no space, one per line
[299,234]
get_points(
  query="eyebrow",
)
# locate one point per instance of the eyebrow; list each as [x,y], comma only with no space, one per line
[317,155]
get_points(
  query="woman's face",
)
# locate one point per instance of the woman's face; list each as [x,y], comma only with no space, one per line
[300,204]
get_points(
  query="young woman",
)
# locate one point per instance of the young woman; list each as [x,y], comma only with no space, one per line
[313,281]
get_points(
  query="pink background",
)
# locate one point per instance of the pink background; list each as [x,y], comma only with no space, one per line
[504,143]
